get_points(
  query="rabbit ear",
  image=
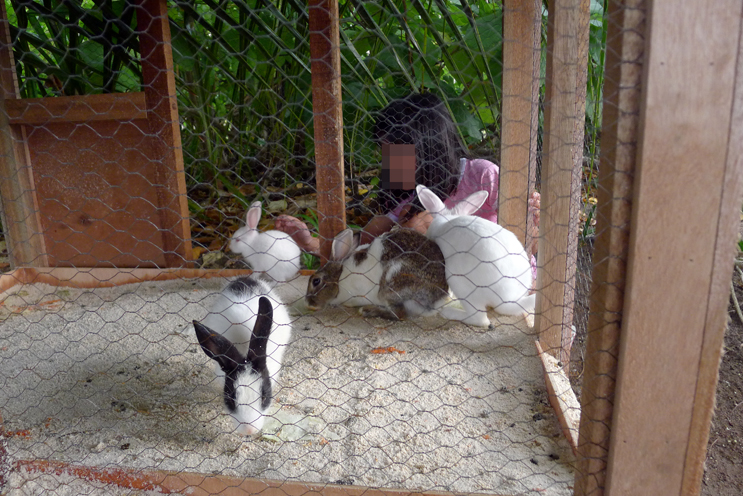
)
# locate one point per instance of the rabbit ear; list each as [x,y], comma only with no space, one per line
[429,200]
[218,348]
[343,244]
[254,215]
[261,331]
[471,204]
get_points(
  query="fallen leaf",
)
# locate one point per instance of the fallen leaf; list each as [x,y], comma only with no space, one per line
[389,349]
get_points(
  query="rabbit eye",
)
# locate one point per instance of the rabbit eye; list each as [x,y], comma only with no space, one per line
[316,281]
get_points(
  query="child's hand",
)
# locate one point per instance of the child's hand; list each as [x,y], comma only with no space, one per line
[534,207]
[419,222]
[298,231]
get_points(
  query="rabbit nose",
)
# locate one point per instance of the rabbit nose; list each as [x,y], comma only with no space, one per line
[247,430]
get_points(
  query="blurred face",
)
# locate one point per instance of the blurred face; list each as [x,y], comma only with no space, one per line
[398,166]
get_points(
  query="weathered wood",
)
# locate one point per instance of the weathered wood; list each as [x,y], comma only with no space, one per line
[716,318]
[623,78]
[205,485]
[561,397]
[94,188]
[158,81]
[82,108]
[328,120]
[567,58]
[101,277]
[20,213]
[522,29]
[683,232]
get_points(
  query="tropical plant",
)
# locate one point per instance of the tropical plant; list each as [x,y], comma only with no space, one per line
[244,82]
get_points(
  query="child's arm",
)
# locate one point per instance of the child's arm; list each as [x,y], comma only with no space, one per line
[379,224]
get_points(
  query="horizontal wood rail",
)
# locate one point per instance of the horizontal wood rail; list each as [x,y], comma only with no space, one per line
[99,277]
[84,108]
[202,484]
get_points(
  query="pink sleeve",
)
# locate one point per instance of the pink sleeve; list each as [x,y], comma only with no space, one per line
[479,174]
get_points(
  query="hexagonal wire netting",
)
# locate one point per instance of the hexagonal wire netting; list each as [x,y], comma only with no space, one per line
[139,135]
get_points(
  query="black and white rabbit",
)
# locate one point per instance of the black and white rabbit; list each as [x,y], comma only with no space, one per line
[400,275]
[246,333]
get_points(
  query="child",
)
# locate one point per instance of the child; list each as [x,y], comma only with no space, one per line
[442,164]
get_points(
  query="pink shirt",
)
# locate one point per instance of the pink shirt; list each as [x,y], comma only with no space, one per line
[476,175]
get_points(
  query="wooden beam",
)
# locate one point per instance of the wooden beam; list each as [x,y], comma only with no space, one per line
[522,36]
[328,120]
[158,81]
[203,485]
[18,205]
[684,225]
[102,277]
[716,317]
[622,86]
[81,108]
[561,397]
[567,58]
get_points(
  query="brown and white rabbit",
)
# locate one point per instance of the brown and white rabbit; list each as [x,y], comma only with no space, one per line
[400,275]
[246,333]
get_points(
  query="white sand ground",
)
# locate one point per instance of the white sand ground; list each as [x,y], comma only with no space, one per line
[115,378]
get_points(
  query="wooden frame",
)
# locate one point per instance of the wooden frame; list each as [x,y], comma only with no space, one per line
[133,211]
[663,258]
[326,101]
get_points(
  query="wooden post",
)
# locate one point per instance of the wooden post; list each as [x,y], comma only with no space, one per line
[685,220]
[328,120]
[567,59]
[522,29]
[18,206]
[158,82]
[623,79]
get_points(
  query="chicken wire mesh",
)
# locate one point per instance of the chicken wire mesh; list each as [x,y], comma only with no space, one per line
[116,377]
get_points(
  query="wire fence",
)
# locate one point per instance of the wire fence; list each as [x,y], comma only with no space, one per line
[148,139]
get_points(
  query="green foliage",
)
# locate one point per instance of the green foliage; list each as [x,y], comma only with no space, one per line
[243,74]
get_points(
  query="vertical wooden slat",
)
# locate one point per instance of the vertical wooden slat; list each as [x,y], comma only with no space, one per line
[622,85]
[522,29]
[20,212]
[567,58]
[328,120]
[685,207]
[158,81]
[729,222]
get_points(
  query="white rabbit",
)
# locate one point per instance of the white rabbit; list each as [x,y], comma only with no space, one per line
[273,253]
[486,265]
[399,275]
[246,332]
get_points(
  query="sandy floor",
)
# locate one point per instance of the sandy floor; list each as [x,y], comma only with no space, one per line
[114,377]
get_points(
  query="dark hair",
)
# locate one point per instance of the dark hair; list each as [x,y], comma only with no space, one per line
[422,119]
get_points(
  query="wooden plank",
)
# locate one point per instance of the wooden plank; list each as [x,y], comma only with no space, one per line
[100,277]
[20,213]
[682,243]
[623,77]
[328,120]
[522,29]
[203,485]
[716,318]
[83,108]
[561,397]
[158,81]
[94,187]
[567,57]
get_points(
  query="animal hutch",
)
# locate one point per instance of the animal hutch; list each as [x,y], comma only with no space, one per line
[103,276]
